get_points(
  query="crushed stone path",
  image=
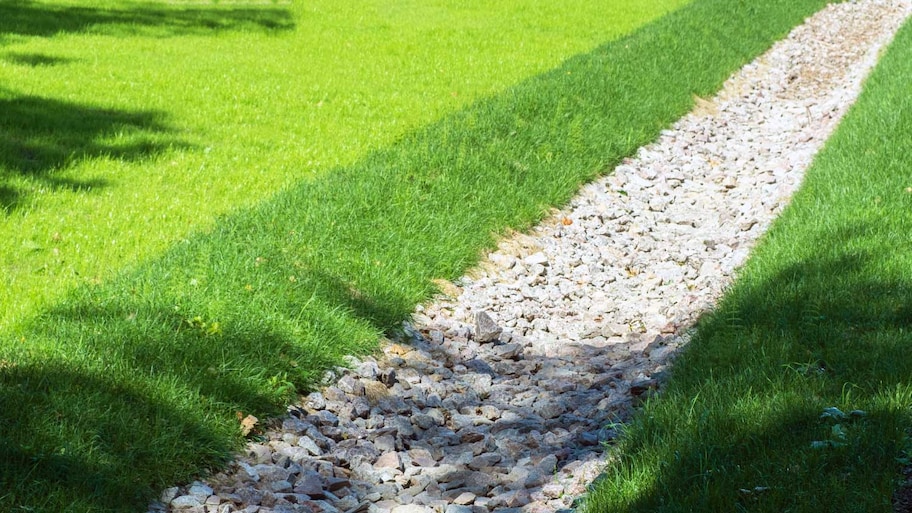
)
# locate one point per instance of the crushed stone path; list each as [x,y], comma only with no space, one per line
[502,400]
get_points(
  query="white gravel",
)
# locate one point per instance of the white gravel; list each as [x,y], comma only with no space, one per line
[592,306]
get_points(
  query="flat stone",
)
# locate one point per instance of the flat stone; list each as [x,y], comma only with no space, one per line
[508,351]
[389,460]
[484,460]
[464,498]
[421,457]
[310,483]
[186,502]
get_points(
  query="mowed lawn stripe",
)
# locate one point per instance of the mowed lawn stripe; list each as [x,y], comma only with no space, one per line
[136,383]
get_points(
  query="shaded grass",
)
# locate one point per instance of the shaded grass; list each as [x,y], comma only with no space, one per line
[133,384]
[820,316]
[176,112]
[45,18]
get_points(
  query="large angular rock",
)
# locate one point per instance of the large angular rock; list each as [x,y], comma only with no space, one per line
[486,330]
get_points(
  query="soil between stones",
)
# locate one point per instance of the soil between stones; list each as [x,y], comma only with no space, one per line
[578,318]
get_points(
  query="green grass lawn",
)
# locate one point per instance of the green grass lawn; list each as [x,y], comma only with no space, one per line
[821,316]
[127,125]
[130,380]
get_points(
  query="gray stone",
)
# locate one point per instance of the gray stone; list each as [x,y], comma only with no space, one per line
[169,494]
[186,502]
[309,445]
[424,421]
[326,418]
[290,508]
[511,499]
[368,370]
[547,464]
[484,460]
[351,385]
[361,407]
[315,400]
[385,443]
[280,486]
[271,472]
[324,507]
[310,483]
[508,351]
[249,471]
[347,503]
[486,330]
[548,409]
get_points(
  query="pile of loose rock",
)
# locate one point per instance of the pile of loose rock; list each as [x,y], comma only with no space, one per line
[508,388]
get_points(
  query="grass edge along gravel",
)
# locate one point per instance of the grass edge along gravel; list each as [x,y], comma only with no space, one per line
[138,383]
[794,394]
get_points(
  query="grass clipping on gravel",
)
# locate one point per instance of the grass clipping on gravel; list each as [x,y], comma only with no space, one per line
[139,382]
[818,319]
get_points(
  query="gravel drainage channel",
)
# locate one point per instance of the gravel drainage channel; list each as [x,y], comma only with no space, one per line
[510,385]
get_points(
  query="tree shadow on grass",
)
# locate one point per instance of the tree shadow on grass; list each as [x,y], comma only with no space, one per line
[28,18]
[41,136]
[135,400]
[86,457]
[36,60]
[824,331]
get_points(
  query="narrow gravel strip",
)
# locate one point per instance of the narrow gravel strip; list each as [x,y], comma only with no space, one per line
[501,400]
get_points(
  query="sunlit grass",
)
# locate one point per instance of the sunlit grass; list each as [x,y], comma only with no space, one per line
[162,115]
[823,320]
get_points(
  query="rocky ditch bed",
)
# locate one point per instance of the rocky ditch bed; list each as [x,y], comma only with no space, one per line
[506,393]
